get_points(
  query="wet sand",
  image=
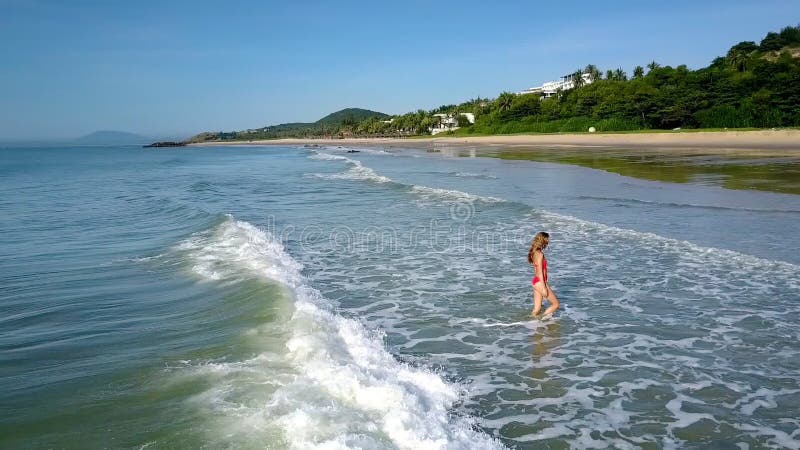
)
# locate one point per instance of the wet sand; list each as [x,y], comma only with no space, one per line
[761,142]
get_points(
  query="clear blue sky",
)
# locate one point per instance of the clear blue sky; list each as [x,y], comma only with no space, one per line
[164,68]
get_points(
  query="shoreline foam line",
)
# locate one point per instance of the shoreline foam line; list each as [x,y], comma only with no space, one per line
[450,196]
[663,241]
[359,172]
[356,172]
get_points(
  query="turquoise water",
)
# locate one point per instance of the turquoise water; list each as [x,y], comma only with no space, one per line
[313,298]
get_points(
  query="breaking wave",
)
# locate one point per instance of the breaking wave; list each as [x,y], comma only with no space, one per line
[332,384]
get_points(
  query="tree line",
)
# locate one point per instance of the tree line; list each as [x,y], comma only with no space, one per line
[755,85]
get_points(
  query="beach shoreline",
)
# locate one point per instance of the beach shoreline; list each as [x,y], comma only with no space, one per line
[758,141]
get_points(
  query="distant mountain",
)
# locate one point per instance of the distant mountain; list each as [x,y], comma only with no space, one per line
[328,125]
[106,137]
[342,117]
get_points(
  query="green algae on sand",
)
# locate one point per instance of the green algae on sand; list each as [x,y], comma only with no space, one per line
[773,172]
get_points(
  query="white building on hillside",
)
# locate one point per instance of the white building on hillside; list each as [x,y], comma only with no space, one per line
[550,88]
[449,122]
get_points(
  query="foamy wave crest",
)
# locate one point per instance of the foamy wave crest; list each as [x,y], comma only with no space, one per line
[237,245]
[474,175]
[356,172]
[332,384]
[374,151]
[327,157]
[360,172]
[429,193]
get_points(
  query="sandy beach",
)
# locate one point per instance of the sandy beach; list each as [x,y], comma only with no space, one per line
[762,142]
[766,160]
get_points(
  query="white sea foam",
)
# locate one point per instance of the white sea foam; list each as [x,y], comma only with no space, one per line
[327,157]
[333,385]
[356,172]
[474,175]
[636,306]
[762,398]
[360,172]
[236,250]
[658,242]
[450,195]
[375,151]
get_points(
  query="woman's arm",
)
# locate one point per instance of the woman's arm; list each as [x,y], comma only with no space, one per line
[546,284]
[537,266]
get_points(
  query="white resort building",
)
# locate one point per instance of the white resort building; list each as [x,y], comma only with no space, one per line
[449,122]
[550,88]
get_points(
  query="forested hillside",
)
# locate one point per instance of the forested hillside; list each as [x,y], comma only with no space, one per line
[755,85]
[330,125]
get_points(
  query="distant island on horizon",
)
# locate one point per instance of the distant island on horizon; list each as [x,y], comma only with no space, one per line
[754,86]
[111,137]
[95,138]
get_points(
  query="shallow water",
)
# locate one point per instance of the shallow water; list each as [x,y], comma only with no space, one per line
[297,298]
[775,171]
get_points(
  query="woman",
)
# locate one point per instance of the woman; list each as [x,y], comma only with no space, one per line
[539,282]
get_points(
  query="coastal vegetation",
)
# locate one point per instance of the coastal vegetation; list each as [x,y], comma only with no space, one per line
[752,86]
[755,85]
[340,123]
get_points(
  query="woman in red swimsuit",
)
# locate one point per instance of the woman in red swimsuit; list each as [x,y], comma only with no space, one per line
[539,282]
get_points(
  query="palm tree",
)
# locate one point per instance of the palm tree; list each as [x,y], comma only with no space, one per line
[609,74]
[638,72]
[593,72]
[504,101]
[425,125]
[653,66]
[577,79]
[620,75]
[737,59]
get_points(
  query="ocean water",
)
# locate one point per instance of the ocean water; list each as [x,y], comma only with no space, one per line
[267,297]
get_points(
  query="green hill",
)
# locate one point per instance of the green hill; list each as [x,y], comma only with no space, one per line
[350,116]
[329,125]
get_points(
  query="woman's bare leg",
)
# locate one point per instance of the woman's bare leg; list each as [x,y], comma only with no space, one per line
[537,301]
[554,303]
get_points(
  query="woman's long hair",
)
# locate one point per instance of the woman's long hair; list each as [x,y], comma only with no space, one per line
[539,242]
